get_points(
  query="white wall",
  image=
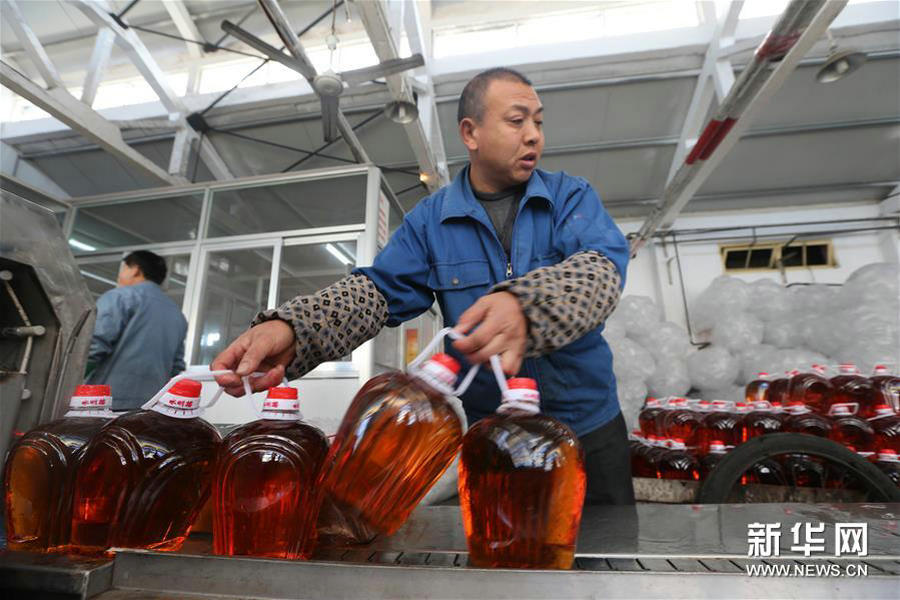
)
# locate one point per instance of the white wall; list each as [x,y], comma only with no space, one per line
[654,272]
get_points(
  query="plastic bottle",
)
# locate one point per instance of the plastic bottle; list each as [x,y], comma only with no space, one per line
[656,447]
[766,471]
[678,462]
[758,389]
[396,439]
[885,390]
[779,388]
[849,430]
[521,485]
[803,420]
[852,388]
[715,453]
[647,416]
[640,464]
[760,420]
[889,462]
[886,425]
[803,470]
[812,388]
[722,423]
[266,502]
[40,469]
[147,474]
[682,422]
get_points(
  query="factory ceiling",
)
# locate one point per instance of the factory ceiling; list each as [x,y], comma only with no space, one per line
[615,102]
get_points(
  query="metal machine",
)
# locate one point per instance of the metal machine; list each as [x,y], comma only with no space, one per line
[46,318]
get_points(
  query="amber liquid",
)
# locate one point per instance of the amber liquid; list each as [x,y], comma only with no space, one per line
[521,490]
[722,426]
[756,391]
[142,482]
[758,423]
[811,389]
[885,390]
[683,424]
[38,481]
[396,439]
[265,498]
[779,391]
[853,389]
[680,465]
[853,432]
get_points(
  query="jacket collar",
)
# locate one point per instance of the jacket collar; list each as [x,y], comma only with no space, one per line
[460,201]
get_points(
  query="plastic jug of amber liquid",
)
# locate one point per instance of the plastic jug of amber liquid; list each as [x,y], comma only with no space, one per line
[396,439]
[40,470]
[265,498]
[147,474]
[521,484]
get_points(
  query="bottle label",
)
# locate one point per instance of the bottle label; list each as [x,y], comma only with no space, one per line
[180,407]
[520,399]
[437,376]
[95,402]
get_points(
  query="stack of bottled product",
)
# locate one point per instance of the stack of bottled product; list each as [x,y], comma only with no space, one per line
[93,481]
[685,439]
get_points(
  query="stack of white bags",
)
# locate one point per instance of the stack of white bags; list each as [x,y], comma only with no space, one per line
[753,327]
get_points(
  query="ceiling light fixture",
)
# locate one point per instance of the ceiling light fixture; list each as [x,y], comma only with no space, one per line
[840,62]
[401,111]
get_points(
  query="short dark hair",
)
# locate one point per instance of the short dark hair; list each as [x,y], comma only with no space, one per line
[152,266]
[471,101]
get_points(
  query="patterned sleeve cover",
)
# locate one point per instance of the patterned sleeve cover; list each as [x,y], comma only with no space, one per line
[564,301]
[561,303]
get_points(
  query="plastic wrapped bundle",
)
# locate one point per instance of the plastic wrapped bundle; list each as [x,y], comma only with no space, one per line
[815,299]
[877,284]
[757,359]
[771,300]
[614,328]
[734,393]
[631,361]
[670,379]
[866,355]
[799,358]
[726,296]
[875,325]
[784,332]
[737,332]
[640,315]
[667,340]
[825,335]
[632,393]
[712,368]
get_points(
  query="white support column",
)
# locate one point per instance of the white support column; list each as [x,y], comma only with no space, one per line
[187,29]
[179,159]
[714,81]
[99,59]
[429,152]
[30,43]
[84,120]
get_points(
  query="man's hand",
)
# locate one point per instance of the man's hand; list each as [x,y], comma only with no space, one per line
[502,329]
[267,347]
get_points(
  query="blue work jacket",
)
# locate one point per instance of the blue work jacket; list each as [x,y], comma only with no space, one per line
[138,343]
[448,248]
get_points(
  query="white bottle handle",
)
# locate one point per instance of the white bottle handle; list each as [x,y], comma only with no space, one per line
[199,374]
[430,349]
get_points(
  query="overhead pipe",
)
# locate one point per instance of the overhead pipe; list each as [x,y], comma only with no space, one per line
[801,24]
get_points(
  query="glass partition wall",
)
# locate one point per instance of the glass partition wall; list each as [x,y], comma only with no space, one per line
[238,247]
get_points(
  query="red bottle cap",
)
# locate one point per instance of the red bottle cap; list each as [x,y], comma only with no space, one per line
[651,401]
[187,388]
[92,390]
[447,361]
[283,393]
[521,383]
[762,374]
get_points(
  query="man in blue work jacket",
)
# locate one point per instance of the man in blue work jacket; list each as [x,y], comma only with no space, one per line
[138,341]
[526,262]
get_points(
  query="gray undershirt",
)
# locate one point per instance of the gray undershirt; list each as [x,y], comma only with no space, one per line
[501,207]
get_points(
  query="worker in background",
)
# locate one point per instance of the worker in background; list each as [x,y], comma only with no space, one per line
[526,262]
[138,341]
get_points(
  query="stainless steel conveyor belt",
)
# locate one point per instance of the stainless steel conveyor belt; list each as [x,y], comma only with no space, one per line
[672,551]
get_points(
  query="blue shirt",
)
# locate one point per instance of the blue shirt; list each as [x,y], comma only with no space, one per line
[447,248]
[138,343]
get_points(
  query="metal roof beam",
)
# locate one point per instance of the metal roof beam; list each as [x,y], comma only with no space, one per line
[81,118]
[424,133]
[99,59]
[31,44]
[794,34]
[128,40]
[186,27]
